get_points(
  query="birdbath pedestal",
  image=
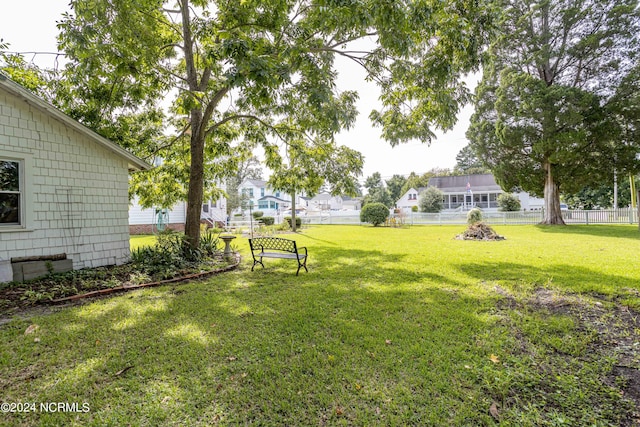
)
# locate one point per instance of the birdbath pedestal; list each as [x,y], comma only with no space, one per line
[227,248]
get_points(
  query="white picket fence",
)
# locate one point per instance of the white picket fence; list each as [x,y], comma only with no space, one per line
[605,216]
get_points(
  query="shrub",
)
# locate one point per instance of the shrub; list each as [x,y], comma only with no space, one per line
[508,202]
[203,228]
[474,216]
[268,220]
[209,243]
[298,221]
[431,200]
[374,213]
[414,209]
[258,214]
[163,258]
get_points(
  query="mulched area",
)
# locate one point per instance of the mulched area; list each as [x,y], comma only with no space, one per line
[66,287]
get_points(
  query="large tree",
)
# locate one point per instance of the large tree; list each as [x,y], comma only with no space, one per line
[468,162]
[306,166]
[542,120]
[394,185]
[376,191]
[262,72]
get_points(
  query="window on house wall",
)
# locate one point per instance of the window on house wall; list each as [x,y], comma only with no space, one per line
[262,192]
[11,192]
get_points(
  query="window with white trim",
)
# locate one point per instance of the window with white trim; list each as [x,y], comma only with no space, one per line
[11,192]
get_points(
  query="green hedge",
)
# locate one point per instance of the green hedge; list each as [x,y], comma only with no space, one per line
[374,213]
[298,221]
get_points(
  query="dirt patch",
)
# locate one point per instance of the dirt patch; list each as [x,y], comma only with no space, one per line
[630,381]
[616,326]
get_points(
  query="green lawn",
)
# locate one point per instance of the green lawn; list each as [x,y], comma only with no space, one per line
[389,327]
[138,241]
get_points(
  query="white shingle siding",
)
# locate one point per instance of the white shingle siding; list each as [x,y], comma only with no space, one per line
[138,215]
[79,200]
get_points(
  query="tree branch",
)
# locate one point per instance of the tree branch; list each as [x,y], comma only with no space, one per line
[171,142]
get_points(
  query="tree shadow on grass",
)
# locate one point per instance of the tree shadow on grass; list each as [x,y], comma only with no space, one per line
[349,267]
[564,276]
[365,338]
[348,342]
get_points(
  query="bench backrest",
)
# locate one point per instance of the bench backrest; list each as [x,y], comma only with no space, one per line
[273,243]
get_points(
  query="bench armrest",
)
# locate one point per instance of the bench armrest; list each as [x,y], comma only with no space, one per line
[305,249]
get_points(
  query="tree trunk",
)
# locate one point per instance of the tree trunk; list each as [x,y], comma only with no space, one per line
[638,217]
[293,211]
[552,212]
[196,182]
[196,167]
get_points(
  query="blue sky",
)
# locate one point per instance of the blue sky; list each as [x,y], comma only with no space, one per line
[30,26]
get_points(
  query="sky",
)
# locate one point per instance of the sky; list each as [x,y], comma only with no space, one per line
[30,26]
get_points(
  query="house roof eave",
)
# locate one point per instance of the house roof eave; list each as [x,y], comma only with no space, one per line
[134,163]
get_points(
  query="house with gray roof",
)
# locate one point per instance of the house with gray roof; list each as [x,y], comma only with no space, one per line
[63,188]
[464,192]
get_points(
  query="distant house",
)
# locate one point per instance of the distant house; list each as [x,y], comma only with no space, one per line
[326,202]
[351,204]
[263,198]
[468,191]
[461,193]
[63,188]
[151,220]
[409,199]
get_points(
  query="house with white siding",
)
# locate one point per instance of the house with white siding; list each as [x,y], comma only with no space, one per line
[461,193]
[63,187]
[326,202]
[261,197]
[154,219]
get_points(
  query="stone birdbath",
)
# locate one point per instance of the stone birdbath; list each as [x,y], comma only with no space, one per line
[227,238]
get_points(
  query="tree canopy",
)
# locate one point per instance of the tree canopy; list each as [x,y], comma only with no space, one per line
[394,186]
[546,112]
[431,200]
[242,74]
[376,191]
[468,162]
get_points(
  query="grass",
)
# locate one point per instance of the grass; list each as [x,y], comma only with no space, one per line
[142,240]
[389,327]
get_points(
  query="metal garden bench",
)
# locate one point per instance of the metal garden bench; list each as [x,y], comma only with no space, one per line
[262,247]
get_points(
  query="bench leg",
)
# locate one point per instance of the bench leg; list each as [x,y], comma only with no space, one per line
[300,264]
[255,262]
